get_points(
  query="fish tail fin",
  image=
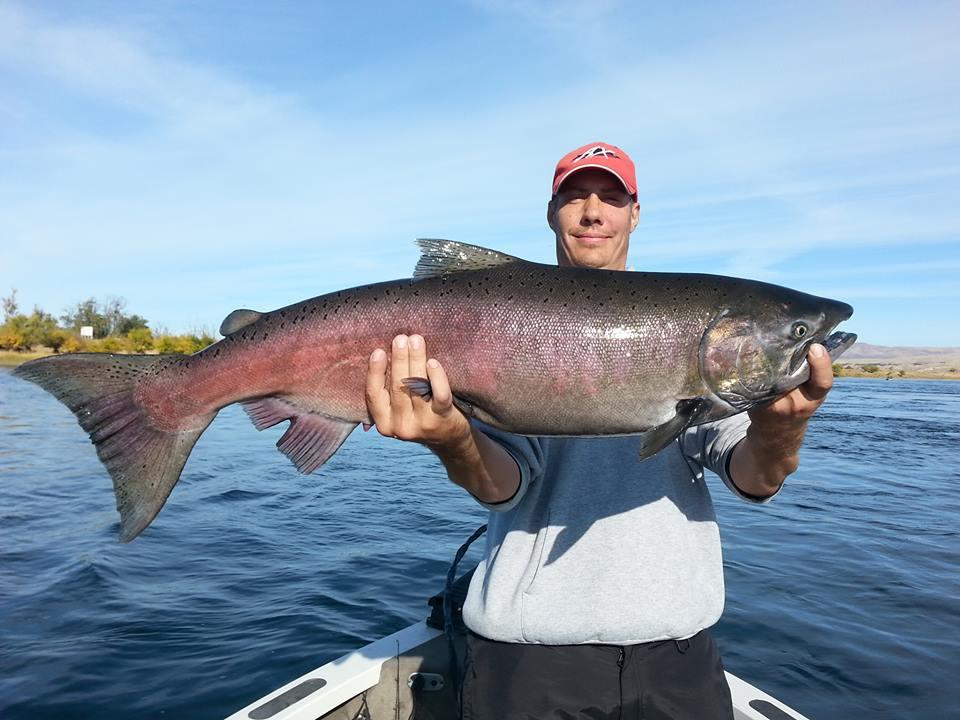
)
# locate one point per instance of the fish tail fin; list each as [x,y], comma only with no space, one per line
[144,462]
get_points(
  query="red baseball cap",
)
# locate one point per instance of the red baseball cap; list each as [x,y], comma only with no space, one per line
[597,155]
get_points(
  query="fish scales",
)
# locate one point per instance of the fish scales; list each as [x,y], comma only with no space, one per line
[508,338]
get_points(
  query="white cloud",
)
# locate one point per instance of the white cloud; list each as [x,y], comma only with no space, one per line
[757,151]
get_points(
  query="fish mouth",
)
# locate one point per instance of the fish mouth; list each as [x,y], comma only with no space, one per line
[836,345]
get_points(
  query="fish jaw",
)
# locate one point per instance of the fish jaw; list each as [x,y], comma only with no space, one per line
[836,345]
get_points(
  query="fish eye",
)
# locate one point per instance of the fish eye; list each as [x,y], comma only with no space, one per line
[800,330]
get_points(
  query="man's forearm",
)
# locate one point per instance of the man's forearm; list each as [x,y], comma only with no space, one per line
[481,466]
[764,459]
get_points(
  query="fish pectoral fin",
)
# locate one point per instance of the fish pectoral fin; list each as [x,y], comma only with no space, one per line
[311,439]
[237,320]
[421,386]
[655,439]
[442,257]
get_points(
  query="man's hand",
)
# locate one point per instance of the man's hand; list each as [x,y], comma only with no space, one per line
[404,415]
[771,450]
[472,460]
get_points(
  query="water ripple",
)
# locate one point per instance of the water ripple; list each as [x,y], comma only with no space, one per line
[842,593]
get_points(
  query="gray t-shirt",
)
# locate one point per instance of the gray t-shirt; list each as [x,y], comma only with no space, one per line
[599,547]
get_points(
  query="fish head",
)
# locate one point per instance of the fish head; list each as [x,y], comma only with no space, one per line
[750,355]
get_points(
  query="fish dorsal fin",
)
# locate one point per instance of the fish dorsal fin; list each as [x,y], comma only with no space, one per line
[442,257]
[237,320]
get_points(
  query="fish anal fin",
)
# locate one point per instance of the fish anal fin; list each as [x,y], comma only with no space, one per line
[442,257]
[656,439]
[312,439]
[237,320]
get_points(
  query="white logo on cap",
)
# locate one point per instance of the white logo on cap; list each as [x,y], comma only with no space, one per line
[594,152]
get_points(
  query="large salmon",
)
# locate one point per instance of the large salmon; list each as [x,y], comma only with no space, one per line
[530,348]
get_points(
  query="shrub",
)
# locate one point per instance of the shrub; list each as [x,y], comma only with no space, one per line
[74,343]
[140,339]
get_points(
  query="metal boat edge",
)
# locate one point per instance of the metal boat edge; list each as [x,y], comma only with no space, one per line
[408,669]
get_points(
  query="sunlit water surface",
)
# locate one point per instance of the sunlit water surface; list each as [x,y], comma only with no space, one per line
[843,595]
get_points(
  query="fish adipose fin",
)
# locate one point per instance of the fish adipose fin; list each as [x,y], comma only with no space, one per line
[144,463]
[655,439]
[442,257]
[311,439]
[237,320]
[421,386]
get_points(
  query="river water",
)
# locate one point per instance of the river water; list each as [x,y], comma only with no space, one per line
[843,595]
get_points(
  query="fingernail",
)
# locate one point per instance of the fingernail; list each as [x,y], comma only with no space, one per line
[432,364]
[377,354]
[817,350]
[416,342]
[400,341]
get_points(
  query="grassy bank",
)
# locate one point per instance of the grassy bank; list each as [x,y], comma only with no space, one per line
[9,358]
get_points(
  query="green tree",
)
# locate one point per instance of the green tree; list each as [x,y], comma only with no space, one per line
[89,313]
[129,323]
[21,332]
[113,313]
[41,327]
[10,304]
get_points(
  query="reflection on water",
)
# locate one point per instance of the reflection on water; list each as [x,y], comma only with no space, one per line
[842,593]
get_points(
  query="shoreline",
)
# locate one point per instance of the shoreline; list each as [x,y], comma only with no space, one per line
[11,359]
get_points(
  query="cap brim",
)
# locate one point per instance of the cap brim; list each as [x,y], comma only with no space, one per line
[571,171]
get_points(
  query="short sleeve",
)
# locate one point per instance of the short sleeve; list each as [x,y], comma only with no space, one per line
[526,451]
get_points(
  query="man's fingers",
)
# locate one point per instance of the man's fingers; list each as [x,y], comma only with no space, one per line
[399,369]
[442,396]
[378,398]
[821,373]
[417,358]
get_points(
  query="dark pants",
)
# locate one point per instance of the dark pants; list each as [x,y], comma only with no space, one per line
[673,679]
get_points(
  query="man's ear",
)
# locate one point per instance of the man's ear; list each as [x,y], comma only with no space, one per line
[634,216]
[551,213]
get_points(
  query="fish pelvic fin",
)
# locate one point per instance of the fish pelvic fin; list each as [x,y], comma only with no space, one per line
[311,439]
[144,462]
[443,257]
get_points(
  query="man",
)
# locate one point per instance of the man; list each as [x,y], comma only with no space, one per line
[602,573]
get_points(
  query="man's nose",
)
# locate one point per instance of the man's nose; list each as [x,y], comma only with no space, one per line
[591,208]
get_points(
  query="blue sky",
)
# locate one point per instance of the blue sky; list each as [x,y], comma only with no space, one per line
[194,158]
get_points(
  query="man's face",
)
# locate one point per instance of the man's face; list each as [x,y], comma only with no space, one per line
[592,216]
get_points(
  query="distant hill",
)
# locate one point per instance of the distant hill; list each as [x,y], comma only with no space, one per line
[914,360]
[888,353]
